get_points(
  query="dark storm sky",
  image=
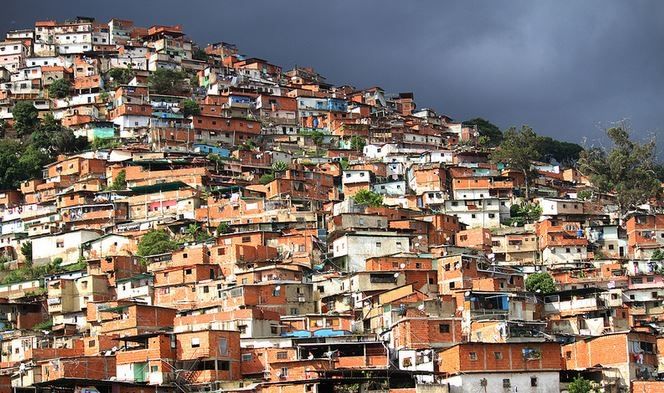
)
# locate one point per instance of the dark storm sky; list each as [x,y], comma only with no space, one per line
[567,68]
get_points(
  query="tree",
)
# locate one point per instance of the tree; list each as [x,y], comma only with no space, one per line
[121,76]
[19,162]
[26,250]
[627,169]
[59,89]
[105,143]
[216,158]
[190,107]
[580,385]
[199,54]
[54,139]
[156,242]
[369,198]
[541,283]
[317,138]
[26,118]
[266,178]
[119,182]
[164,81]
[524,213]
[279,166]
[223,227]
[517,150]
[659,171]
[357,143]
[658,255]
[563,152]
[489,131]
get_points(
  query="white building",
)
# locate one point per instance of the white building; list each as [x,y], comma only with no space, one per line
[493,382]
[62,245]
[352,249]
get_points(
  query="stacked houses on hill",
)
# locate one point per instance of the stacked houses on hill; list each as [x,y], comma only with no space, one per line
[249,228]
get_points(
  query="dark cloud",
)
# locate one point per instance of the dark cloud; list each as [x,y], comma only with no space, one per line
[564,67]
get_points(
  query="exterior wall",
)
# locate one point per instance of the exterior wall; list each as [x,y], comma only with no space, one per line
[65,246]
[358,248]
[547,382]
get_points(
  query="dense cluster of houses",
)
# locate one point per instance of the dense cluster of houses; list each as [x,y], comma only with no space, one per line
[282,279]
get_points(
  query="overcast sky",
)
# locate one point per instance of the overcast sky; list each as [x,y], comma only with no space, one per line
[567,68]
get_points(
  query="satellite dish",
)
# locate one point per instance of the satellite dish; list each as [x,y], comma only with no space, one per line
[278,287]
[396,275]
[402,266]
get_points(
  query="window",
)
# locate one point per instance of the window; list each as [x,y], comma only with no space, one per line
[246,239]
[195,342]
[533,381]
[284,372]
[472,355]
[187,271]
[568,355]
[506,383]
[91,343]
[444,328]
[154,369]
[246,357]
[378,244]
[282,355]
[498,355]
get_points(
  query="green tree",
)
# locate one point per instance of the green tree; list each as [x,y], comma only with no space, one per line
[658,255]
[223,227]
[369,198]
[580,385]
[155,242]
[119,182]
[26,118]
[121,76]
[627,169]
[491,133]
[317,137]
[524,213]
[199,54]
[164,81]
[59,89]
[584,195]
[541,283]
[190,107]
[266,178]
[54,139]
[517,150]
[279,166]
[19,162]
[564,152]
[105,143]
[26,250]
[659,171]
[357,143]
